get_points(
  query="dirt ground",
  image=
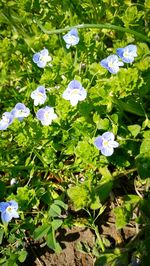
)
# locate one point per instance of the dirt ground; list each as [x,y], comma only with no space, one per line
[70,256]
[69,240]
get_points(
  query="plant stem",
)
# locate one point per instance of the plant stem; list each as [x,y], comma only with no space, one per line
[99,238]
[95,26]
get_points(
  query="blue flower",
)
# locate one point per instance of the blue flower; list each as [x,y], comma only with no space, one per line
[74,92]
[42,58]
[46,115]
[127,53]
[7,119]
[39,95]
[8,210]
[71,38]
[106,144]
[111,63]
[20,111]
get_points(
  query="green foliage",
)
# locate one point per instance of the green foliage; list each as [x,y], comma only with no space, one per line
[57,169]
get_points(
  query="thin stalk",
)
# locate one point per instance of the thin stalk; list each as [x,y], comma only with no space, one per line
[99,238]
[95,26]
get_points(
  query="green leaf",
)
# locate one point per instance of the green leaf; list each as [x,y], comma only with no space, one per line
[51,241]
[143,164]
[101,123]
[95,203]
[123,215]
[145,147]
[134,129]
[131,199]
[75,195]
[132,107]
[41,231]
[56,223]
[103,189]
[54,210]
[22,255]
[61,204]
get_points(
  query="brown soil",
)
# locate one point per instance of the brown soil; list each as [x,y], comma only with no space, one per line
[69,240]
[70,255]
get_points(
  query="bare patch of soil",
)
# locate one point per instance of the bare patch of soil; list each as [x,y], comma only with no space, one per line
[69,256]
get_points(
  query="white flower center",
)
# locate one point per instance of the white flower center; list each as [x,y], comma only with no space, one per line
[43,58]
[47,115]
[105,143]
[72,38]
[112,63]
[126,53]
[9,209]
[40,95]
[75,92]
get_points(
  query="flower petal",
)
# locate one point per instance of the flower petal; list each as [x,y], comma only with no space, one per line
[109,136]
[6,217]
[3,206]
[98,142]
[107,151]
[74,100]
[13,204]
[113,144]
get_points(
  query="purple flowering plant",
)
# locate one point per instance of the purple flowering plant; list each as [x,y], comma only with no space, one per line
[111,63]
[106,143]
[9,210]
[85,139]
[127,53]
[71,38]
[39,95]
[42,58]
[7,119]
[46,115]
[20,111]
[74,92]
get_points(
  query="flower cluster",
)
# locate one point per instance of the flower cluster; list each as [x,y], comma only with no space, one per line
[112,63]
[73,93]
[19,111]
[9,210]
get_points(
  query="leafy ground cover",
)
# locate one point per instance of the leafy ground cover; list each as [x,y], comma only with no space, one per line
[75,129]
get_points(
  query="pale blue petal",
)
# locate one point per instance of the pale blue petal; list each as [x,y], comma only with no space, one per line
[3,206]
[98,142]
[13,204]
[41,89]
[113,144]
[3,125]
[36,58]
[74,32]
[74,100]
[40,114]
[109,136]
[66,94]
[75,84]
[107,151]
[41,64]
[44,52]
[104,63]
[6,217]
[14,214]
